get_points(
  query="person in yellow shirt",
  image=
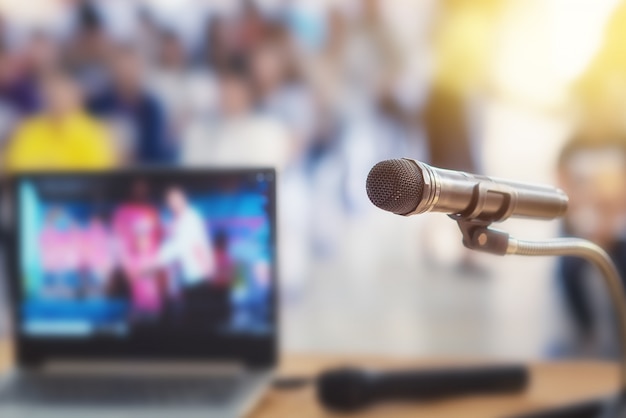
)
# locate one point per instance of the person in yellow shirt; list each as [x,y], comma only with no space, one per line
[62,136]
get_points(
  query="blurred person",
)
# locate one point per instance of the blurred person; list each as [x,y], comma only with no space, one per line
[148,34]
[60,249]
[448,129]
[62,135]
[234,33]
[225,266]
[369,56]
[593,174]
[172,53]
[451,111]
[19,73]
[21,70]
[187,243]
[17,91]
[382,131]
[241,136]
[600,92]
[323,69]
[138,233]
[237,136]
[187,93]
[97,256]
[88,47]
[281,95]
[249,26]
[241,31]
[42,53]
[18,94]
[135,115]
[354,68]
[188,247]
[220,42]
[461,45]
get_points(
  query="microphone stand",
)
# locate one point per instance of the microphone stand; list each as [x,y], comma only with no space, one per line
[477,235]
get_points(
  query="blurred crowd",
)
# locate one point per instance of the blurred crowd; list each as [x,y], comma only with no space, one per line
[322,92]
[283,86]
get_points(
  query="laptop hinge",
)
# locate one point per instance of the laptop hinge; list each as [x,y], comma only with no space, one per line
[143,368]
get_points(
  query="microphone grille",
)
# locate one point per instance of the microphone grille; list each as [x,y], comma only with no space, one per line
[395,186]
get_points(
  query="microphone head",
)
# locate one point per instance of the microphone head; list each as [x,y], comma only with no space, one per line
[395,186]
[344,389]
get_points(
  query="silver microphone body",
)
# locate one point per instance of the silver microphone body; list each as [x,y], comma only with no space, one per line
[471,196]
[454,192]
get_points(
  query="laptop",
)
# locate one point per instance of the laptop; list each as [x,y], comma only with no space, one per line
[139,293]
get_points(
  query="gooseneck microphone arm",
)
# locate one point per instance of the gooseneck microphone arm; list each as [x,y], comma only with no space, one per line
[477,235]
[596,256]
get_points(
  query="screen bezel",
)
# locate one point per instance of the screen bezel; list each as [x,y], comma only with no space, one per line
[252,350]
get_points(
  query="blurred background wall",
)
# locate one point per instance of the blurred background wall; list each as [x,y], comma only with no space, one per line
[533,90]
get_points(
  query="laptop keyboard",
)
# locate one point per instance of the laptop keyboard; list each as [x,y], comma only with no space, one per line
[109,391]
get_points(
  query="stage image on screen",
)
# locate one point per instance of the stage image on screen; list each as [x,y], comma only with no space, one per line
[130,254]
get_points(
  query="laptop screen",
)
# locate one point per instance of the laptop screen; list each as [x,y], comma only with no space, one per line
[119,256]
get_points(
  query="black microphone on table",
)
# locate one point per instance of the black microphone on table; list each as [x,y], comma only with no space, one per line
[350,389]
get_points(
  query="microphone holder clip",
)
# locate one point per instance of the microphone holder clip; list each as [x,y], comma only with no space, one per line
[477,235]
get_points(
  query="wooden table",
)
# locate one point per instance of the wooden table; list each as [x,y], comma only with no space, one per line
[552,384]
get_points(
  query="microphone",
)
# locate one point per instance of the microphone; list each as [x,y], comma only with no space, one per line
[350,389]
[409,187]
